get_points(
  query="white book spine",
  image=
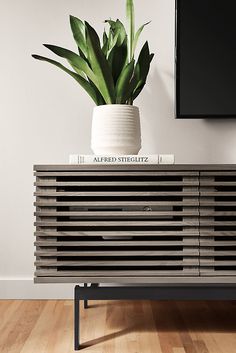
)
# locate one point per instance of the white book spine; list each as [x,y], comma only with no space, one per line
[132,159]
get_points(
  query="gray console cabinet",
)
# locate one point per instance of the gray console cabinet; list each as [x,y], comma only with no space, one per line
[143,224]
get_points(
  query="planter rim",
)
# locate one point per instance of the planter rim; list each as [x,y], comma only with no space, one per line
[116,105]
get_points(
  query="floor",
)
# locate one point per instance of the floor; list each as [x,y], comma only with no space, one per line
[119,327]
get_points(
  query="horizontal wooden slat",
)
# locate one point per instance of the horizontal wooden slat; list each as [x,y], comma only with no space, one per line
[186,233]
[210,213]
[120,214]
[205,202]
[139,167]
[164,280]
[193,182]
[217,183]
[210,263]
[226,172]
[117,243]
[115,170]
[53,263]
[124,273]
[116,193]
[206,242]
[212,232]
[217,193]
[49,203]
[118,223]
[185,251]
[208,272]
[217,223]
[210,252]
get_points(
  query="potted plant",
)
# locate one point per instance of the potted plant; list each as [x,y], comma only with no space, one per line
[113,78]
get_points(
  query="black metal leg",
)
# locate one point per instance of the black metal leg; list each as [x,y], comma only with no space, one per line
[76,320]
[94,285]
[85,301]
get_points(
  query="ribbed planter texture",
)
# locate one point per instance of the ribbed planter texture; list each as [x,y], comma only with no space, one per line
[116,130]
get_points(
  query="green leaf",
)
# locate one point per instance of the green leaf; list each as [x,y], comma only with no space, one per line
[123,82]
[143,63]
[105,43]
[112,43]
[118,54]
[78,30]
[131,25]
[100,65]
[151,57]
[118,30]
[137,35]
[112,25]
[78,63]
[84,83]
[142,69]
[121,29]
[138,90]
[129,94]
[100,100]
[117,59]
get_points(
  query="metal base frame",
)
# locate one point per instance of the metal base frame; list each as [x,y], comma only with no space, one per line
[94,292]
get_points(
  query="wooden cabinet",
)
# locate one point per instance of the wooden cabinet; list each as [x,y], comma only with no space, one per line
[135,224]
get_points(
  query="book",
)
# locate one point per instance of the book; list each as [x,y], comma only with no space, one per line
[105,159]
[166,159]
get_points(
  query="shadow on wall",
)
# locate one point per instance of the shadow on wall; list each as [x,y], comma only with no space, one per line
[157,111]
[157,98]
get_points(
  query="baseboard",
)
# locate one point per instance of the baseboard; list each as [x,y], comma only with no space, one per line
[17,288]
[25,288]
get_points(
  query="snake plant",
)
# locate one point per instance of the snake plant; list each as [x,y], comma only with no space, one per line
[106,69]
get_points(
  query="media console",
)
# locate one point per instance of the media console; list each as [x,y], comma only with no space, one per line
[168,226]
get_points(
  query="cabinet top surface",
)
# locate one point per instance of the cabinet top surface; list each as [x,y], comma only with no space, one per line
[135,167]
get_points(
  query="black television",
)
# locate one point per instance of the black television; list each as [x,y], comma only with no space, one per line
[205,59]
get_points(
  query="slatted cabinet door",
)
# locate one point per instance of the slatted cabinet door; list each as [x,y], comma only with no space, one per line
[218,223]
[116,225]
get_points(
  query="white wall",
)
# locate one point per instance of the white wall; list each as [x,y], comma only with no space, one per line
[45,116]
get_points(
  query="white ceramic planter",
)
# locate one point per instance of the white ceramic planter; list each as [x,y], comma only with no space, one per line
[116,130]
